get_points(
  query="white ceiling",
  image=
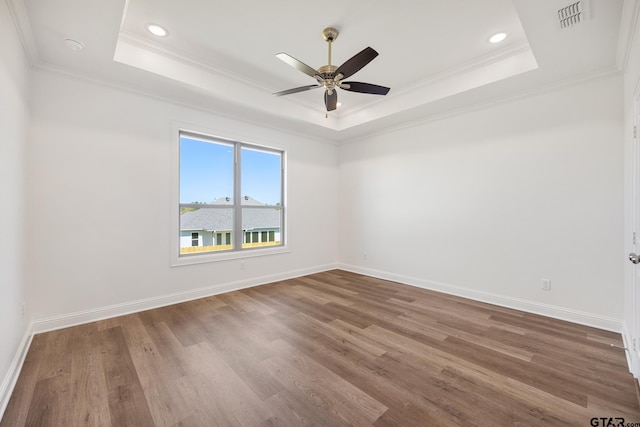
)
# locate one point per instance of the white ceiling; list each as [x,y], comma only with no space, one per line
[434,54]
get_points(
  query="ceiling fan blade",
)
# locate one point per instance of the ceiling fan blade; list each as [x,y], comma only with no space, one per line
[331,101]
[365,88]
[356,62]
[297,64]
[296,90]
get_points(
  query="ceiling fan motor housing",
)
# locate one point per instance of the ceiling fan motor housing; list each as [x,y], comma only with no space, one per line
[327,70]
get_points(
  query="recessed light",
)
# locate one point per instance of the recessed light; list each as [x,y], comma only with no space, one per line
[73,44]
[497,37]
[157,30]
[338,104]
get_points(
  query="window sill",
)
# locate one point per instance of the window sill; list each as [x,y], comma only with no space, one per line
[217,257]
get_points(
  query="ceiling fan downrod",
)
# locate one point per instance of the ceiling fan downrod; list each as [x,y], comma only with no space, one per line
[330,34]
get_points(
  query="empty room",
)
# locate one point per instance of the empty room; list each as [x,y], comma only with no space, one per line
[366,213]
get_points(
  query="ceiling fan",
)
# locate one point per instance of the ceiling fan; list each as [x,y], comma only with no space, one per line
[331,77]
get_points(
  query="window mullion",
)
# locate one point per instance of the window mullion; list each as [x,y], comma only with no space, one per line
[282,196]
[238,233]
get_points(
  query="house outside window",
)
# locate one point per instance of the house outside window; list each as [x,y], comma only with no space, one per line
[231,195]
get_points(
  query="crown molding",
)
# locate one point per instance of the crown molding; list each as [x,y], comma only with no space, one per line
[180,102]
[461,71]
[191,60]
[539,90]
[628,28]
[138,53]
[464,79]
[519,56]
[22,23]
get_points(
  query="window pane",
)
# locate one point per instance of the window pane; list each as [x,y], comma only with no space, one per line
[210,223]
[262,226]
[261,177]
[206,171]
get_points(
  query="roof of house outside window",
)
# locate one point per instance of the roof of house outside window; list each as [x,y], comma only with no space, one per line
[216,219]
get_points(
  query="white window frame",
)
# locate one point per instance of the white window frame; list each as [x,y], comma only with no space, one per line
[237,238]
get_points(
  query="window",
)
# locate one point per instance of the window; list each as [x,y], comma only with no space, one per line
[230,195]
[223,239]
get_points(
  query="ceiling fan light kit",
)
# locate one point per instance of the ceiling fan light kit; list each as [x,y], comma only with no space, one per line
[331,77]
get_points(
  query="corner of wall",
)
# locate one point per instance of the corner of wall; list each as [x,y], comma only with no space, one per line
[561,313]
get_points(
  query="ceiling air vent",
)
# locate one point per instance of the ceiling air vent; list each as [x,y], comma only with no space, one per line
[572,14]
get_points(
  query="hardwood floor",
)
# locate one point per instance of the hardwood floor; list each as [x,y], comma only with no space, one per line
[329,349]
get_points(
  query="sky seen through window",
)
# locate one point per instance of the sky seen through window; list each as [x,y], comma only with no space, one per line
[206,172]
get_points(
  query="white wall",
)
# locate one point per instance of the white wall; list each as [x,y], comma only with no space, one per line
[100,182]
[14,73]
[489,202]
[631,87]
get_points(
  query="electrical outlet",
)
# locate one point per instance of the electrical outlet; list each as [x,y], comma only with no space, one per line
[242,265]
[24,308]
[364,255]
[546,284]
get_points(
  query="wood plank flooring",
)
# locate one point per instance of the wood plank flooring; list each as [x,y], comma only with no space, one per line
[329,349]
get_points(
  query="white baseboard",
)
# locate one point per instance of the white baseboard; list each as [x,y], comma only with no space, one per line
[633,356]
[9,381]
[92,315]
[562,313]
